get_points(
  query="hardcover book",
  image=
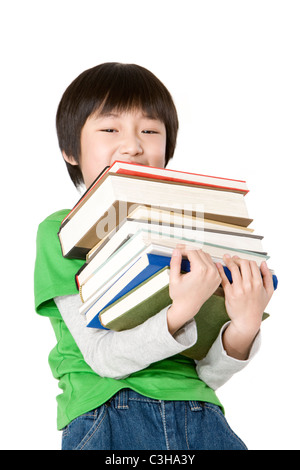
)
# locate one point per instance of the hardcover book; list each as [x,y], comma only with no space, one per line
[151,297]
[114,194]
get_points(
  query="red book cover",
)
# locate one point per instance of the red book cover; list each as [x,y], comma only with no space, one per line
[135,169]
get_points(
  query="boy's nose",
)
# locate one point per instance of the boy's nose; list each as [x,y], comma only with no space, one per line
[131,146]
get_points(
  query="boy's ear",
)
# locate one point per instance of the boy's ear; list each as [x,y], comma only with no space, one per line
[70,159]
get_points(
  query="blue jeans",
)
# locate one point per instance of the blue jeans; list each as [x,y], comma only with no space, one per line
[130,421]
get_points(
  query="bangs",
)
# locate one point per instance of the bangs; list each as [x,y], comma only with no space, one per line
[107,88]
[129,89]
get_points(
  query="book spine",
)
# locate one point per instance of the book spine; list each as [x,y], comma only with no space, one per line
[103,172]
[173,179]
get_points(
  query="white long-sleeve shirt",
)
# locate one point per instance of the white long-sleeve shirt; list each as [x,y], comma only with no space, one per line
[120,354]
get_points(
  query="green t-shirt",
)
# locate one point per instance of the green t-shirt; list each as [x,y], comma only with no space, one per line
[174,378]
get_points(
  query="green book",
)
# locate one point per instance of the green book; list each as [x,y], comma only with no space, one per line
[151,297]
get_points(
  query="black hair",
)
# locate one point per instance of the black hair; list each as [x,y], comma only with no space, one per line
[107,87]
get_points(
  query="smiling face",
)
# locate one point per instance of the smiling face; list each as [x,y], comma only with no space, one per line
[107,110]
[129,136]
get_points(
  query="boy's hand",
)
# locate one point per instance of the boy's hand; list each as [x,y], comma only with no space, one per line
[190,291]
[245,299]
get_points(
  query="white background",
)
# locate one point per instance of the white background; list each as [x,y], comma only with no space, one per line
[233,70]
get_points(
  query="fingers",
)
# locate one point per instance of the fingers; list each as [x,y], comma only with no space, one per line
[234,268]
[267,278]
[249,273]
[196,256]
[241,271]
[197,259]
[224,278]
[175,265]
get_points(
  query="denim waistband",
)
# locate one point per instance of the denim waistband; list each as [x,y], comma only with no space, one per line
[121,400]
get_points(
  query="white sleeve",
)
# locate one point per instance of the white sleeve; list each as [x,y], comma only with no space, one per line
[119,354]
[217,367]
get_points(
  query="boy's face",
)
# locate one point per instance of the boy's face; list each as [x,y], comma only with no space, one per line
[128,137]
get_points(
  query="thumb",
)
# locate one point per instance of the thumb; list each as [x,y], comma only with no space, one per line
[175,265]
[267,278]
[224,278]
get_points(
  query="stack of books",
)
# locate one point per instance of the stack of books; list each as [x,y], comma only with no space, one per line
[126,226]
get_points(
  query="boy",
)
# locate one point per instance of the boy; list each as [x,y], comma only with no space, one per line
[133,389]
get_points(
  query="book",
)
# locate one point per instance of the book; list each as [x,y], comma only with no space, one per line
[122,314]
[142,269]
[136,169]
[179,176]
[100,270]
[101,252]
[91,278]
[156,215]
[128,228]
[112,196]
[151,297]
[179,224]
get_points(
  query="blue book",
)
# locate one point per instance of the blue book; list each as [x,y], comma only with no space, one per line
[145,267]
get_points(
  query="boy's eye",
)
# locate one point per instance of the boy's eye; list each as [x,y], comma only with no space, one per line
[145,131]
